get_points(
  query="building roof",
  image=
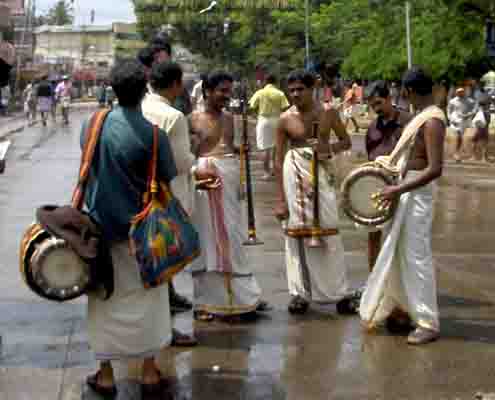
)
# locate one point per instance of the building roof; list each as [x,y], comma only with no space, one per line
[73,29]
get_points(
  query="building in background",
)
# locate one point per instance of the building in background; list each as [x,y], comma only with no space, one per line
[88,52]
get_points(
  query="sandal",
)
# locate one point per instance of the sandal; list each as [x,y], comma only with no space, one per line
[298,305]
[104,391]
[180,339]
[263,306]
[350,304]
[203,316]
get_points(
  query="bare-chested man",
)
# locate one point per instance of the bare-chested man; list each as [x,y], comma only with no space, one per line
[224,284]
[404,277]
[314,274]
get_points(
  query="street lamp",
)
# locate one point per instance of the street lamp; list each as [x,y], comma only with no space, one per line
[206,11]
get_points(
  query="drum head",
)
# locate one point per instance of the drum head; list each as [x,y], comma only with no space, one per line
[61,268]
[51,268]
[357,195]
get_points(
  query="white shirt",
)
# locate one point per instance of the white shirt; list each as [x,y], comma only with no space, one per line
[461,110]
[160,112]
[197,96]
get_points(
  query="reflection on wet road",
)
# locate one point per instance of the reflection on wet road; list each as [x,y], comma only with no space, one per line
[321,355]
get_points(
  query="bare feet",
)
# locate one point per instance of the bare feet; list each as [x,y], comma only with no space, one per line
[151,374]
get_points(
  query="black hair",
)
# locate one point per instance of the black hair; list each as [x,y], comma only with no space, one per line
[203,76]
[271,78]
[378,89]
[128,81]
[163,75]
[159,43]
[145,57]
[214,79]
[305,77]
[419,81]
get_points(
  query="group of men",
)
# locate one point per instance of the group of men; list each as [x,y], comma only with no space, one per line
[199,159]
[44,96]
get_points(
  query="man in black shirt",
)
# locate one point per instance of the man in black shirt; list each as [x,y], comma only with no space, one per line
[382,136]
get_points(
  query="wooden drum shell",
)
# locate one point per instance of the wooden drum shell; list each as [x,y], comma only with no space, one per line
[365,181]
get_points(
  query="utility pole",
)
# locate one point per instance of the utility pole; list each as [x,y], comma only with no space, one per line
[306,30]
[22,41]
[408,33]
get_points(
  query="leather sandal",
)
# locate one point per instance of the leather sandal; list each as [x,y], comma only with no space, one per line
[298,305]
[104,391]
[263,306]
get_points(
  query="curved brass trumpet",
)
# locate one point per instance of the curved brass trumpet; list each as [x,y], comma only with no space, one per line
[315,240]
[246,171]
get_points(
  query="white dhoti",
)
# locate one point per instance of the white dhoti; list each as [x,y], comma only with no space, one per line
[224,283]
[134,322]
[315,274]
[404,277]
[266,130]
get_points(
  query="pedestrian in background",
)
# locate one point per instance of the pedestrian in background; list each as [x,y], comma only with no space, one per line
[109,96]
[101,95]
[29,97]
[45,98]
[481,124]
[460,111]
[350,106]
[269,103]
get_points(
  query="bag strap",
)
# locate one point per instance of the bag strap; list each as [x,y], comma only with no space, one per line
[92,135]
[154,161]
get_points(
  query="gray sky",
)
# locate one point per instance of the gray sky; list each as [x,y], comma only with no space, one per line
[107,11]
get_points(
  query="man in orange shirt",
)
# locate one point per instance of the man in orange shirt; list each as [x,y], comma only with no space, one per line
[350,106]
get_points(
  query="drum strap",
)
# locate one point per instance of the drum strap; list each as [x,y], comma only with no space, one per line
[92,135]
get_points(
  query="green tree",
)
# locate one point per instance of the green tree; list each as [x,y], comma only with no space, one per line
[361,38]
[61,13]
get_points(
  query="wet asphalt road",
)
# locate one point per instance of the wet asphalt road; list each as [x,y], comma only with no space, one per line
[321,355]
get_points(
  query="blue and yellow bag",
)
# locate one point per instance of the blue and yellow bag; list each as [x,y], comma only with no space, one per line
[162,236]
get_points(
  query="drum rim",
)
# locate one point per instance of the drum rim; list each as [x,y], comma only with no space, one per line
[28,251]
[375,170]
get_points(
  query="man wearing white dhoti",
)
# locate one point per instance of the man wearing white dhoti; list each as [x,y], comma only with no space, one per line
[224,284]
[269,103]
[134,322]
[403,280]
[314,274]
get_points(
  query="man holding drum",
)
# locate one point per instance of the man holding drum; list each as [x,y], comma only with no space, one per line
[317,274]
[403,277]
[382,136]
